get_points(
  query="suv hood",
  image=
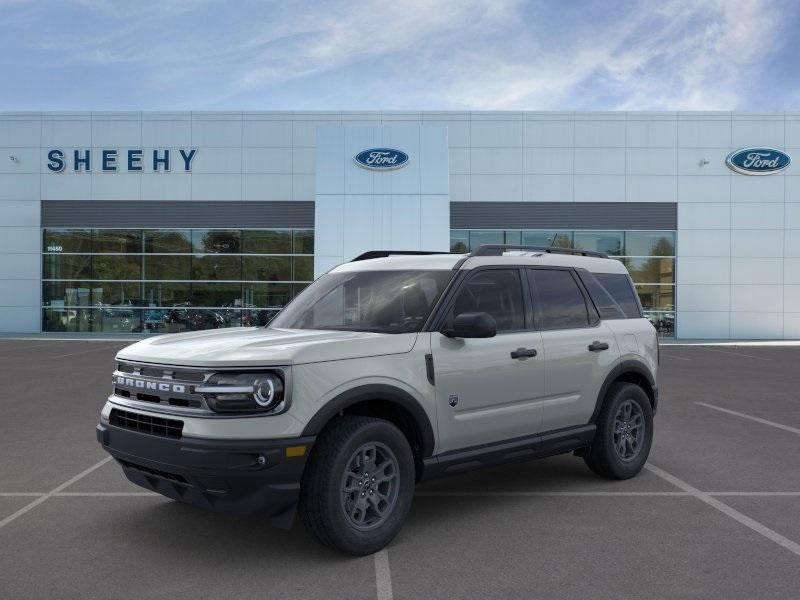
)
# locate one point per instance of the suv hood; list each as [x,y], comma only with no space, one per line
[259,346]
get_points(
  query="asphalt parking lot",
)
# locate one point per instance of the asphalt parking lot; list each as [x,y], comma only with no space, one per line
[716,514]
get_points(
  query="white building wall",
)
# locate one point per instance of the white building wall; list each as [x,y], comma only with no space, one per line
[738,247]
[738,267]
[20,252]
[359,209]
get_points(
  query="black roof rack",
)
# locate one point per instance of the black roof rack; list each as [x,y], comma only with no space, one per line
[498,249]
[384,253]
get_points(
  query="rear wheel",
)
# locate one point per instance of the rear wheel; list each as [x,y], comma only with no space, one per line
[624,433]
[358,486]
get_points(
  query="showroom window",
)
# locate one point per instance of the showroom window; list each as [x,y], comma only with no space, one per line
[170,280]
[648,255]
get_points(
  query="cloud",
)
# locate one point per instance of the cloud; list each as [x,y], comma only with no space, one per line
[683,56]
[445,54]
[326,38]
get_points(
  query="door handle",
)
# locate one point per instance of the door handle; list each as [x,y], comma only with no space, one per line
[596,346]
[523,353]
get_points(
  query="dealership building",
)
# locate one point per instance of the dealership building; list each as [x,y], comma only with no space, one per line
[118,222]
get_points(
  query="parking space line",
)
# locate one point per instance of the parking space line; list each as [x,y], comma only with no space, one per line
[383,576]
[84,351]
[750,417]
[547,494]
[734,514]
[105,494]
[734,353]
[43,498]
[433,494]
[756,494]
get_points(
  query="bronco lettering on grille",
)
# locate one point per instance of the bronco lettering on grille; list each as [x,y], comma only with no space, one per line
[144,384]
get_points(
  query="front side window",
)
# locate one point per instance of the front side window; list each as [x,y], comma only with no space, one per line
[377,301]
[497,292]
[561,302]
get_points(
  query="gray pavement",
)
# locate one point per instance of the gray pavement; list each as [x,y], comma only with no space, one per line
[716,514]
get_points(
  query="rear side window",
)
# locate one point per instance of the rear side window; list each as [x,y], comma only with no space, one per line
[560,300]
[606,305]
[620,288]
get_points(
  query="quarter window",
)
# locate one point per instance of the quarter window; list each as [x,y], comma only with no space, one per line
[497,292]
[561,302]
[619,286]
[606,305]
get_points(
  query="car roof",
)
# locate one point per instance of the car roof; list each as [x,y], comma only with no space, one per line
[436,262]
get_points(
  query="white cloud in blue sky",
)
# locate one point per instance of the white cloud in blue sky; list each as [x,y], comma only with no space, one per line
[443,54]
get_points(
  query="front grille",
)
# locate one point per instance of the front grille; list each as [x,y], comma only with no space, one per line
[164,385]
[162,372]
[158,426]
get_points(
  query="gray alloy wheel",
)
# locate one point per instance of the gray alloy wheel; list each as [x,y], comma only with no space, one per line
[369,486]
[624,432]
[629,430]
[358,484]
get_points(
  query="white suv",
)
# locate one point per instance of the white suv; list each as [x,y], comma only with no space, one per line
[390,369]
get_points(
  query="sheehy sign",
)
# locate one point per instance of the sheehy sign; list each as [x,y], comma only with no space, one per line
[112,160]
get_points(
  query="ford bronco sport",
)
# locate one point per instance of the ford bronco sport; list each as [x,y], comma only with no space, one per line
[390,369]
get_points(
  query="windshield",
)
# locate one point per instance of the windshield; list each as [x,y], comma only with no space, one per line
[378,301]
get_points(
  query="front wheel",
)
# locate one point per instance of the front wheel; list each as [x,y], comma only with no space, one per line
[624,433]
[357,488]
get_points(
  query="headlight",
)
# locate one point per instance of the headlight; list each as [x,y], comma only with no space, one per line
[243,392]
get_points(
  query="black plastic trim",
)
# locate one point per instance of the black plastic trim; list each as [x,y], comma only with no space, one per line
[627,366]
[429,369]
[370,254]
[498,249]
[540,445]
[365,393]
[240,477]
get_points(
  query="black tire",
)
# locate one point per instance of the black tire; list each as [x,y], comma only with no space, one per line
[607,454]
[324,501]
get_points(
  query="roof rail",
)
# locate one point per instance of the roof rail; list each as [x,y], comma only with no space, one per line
[498,249]
[384,253]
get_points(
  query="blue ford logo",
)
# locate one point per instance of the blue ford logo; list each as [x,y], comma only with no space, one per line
[381,159]
[758,161]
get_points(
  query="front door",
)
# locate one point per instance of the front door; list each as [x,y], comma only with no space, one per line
[489,389]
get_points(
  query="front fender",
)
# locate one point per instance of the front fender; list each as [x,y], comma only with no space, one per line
[375,391]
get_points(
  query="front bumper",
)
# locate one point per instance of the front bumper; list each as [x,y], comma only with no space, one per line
[240,477]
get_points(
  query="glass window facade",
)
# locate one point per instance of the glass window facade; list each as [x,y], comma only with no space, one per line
[648,255]
[170,280]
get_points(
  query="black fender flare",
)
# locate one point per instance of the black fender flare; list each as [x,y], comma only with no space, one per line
[626,366]
[382,392]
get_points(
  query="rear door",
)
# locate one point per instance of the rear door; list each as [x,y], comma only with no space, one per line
[491,389]
[579,348]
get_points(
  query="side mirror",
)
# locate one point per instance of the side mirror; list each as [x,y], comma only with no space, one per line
[472,325]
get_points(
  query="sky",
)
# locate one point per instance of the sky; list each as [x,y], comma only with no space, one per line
[400,55]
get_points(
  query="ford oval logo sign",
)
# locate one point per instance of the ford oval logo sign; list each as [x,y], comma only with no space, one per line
[381,159]
[758,161]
